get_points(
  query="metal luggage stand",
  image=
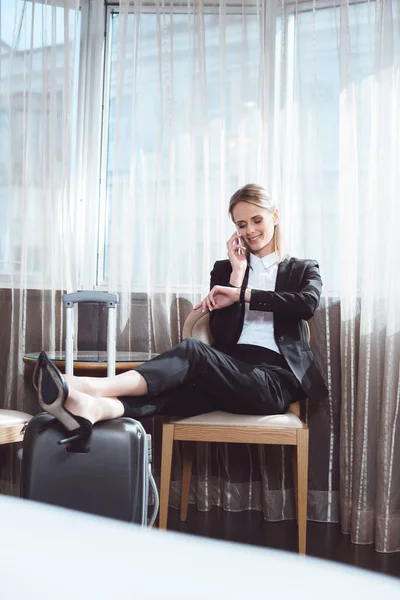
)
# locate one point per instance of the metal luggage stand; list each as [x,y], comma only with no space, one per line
[111,301]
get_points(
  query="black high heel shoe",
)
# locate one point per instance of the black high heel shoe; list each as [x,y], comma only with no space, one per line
[52,391]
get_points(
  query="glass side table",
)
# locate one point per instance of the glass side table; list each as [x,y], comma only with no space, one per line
[92,361]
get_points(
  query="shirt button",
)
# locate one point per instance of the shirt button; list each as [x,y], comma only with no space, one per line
[281,339]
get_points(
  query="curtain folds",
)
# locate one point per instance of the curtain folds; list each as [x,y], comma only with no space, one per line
[118,155]
[38,83]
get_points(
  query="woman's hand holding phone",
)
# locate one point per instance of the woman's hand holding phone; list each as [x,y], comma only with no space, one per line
[238,259]
[222,296]
[236,250]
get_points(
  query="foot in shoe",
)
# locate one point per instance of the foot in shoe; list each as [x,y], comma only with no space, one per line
[84,405]
[80,384]
[52,390]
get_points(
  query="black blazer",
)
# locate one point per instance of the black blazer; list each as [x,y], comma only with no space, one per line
[294,301]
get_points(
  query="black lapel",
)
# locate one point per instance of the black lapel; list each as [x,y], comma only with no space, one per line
[246,276]
[244,286]
[282,276]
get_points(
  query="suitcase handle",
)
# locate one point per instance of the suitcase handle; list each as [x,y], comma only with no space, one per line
[91,296]
[152,482]
[107,298]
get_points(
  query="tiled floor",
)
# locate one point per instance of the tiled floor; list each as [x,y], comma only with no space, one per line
[323,540]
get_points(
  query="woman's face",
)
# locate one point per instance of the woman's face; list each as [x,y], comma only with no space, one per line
[256,227]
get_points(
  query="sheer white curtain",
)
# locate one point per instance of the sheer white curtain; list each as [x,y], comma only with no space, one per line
[188,93]
[339,180]
[39,56]
[301,97]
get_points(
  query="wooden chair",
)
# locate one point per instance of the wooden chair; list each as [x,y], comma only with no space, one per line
[12,425]
[285,429]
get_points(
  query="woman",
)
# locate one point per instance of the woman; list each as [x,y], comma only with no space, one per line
[260,361]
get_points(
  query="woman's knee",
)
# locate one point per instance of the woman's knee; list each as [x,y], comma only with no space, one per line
[191,344]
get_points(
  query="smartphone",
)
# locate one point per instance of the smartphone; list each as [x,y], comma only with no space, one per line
[240,241]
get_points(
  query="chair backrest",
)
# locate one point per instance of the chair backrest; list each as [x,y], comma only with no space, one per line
[197,326]
[308,331]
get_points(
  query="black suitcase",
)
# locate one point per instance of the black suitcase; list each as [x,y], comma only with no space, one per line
[111,479]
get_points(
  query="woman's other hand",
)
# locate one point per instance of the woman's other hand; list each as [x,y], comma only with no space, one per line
[238,259]
[219,297]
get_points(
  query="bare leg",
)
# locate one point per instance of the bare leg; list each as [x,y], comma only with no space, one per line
[130,383]
[93,409]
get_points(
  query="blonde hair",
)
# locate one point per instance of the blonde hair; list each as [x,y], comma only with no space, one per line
[256,194]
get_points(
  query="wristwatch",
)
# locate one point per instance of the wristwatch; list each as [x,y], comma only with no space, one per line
[245,292]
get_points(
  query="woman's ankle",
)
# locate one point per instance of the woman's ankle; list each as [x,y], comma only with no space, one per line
[94,408]
[81,384]
[81,404]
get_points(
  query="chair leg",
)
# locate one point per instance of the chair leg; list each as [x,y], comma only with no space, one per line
[302,486]
[166,463]
[295,485]
[188,451]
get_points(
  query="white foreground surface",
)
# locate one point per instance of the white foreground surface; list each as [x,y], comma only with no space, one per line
[48,552]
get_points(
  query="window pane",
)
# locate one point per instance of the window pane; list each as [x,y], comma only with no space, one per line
[181,98]
[39,61]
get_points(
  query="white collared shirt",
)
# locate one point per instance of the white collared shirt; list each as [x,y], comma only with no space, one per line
[258,326]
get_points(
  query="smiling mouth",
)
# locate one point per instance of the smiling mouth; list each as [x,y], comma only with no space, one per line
[254,239]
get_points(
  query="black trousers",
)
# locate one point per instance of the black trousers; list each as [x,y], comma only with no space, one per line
[193,377]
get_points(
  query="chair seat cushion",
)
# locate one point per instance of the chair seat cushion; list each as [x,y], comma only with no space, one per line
[13,417]
[220,419]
